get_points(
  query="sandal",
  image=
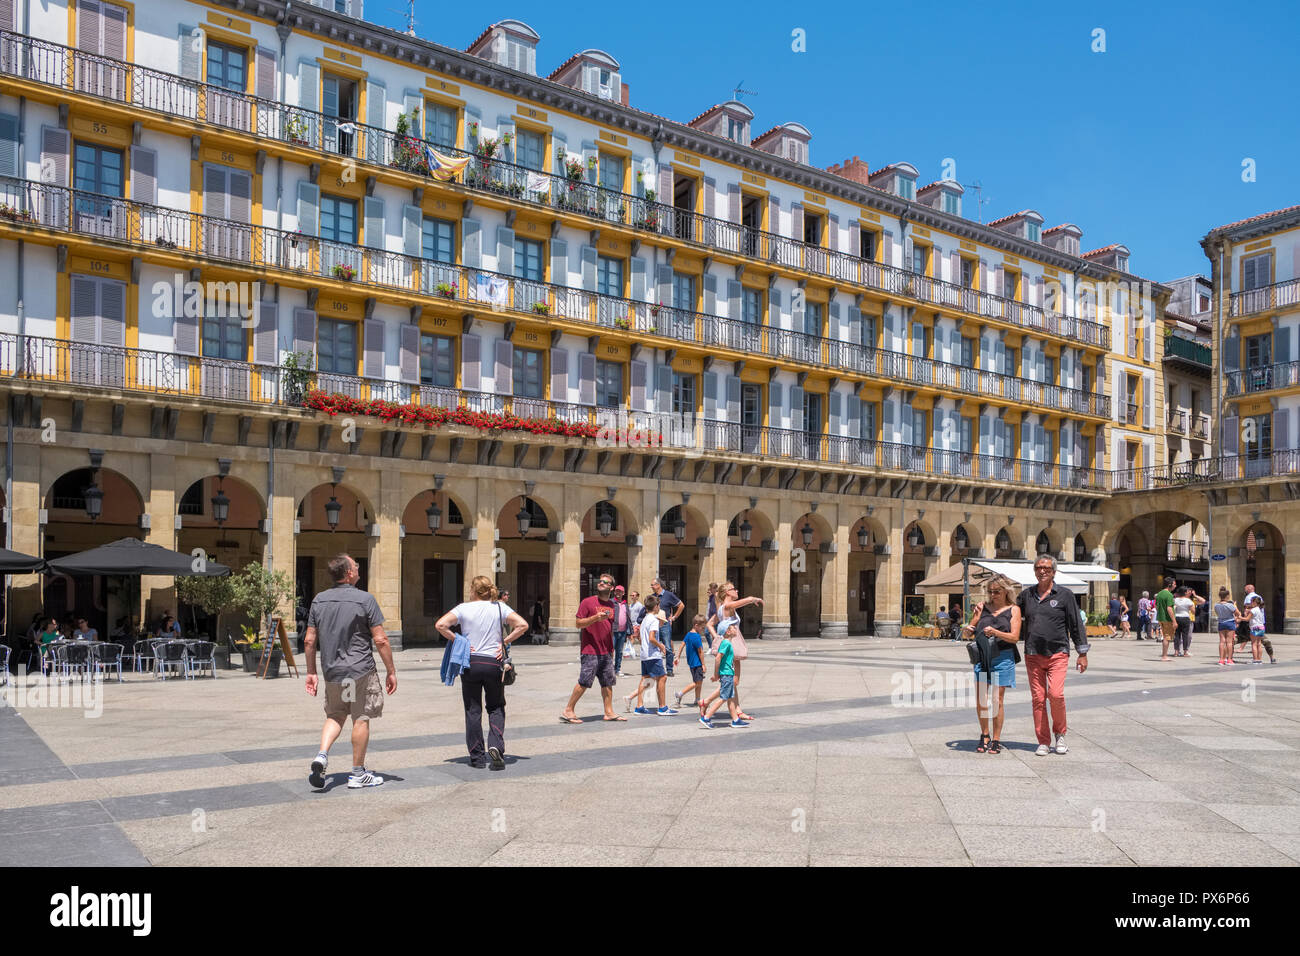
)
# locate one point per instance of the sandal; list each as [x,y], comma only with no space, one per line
[983,744]
[995,747]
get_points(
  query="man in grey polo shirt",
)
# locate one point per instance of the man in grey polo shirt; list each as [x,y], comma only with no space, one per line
[349,625]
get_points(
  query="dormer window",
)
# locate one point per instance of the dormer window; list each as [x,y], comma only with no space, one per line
[906,187]
[952,204]
[796,151]
[1031,231]
[1121,263]
[735,130]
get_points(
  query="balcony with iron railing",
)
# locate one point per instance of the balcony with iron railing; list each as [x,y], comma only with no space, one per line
[1178,422]
[111,220]
[1227,468]
[1188,552]
[1264,378]
[1279,295]
[1201,428]
[1189,352]
[1130,413]
[142,88]
[31,360]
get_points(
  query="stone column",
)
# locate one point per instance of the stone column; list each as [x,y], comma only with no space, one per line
[643,562]
[889,578]
[25,528]
[280,547]
[835,583]
[481,551]
[386,554]
[776,576]
[566,564]
[159,591]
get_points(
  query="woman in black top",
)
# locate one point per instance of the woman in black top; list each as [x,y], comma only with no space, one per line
[997,630]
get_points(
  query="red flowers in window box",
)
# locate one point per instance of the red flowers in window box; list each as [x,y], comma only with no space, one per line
[435,417]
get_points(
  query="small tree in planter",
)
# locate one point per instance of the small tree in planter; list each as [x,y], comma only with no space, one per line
[208,594]
[297,376]
[258,592]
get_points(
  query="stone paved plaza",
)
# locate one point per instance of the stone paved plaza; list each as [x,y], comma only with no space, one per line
[1169,764]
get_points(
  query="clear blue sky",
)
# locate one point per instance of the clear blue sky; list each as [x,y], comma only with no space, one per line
[1142,144]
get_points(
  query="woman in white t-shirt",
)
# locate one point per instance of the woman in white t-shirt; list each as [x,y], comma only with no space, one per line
[1185,602]
[490,627]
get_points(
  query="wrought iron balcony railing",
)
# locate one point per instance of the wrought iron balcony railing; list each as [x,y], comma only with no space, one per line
[109,219]
[1178,347]
[1193,552]
[142,88]
[1284,462]
[1264,378]
[1178,423]
[111,369]
[1279,295]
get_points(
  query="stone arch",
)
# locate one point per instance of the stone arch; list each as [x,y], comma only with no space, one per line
[246,502]
[627,523]
[822,532]
[974,538]
[122,504]
[356,514]
[508,525]
[415,517]
[1009,540]
[1054,540]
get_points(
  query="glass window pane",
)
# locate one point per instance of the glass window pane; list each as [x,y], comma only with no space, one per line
[437,240]
[529,149]
[528,260]
[609,276]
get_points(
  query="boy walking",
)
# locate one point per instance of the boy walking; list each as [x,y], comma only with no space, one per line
[693,644]
[724,671]
[652,661]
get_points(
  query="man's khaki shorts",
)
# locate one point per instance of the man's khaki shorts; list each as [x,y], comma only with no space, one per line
[361,699]
[1167,628]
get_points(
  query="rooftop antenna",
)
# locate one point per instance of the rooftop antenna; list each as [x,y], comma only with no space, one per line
[408,14]
[979,199]
[737,93]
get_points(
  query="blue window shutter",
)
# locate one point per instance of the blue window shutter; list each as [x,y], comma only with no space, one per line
[471,362]
[309,88]
[412,230]
[505,251]
[733,398]
[734,308]
[638,279]
[638,374]
[853,412]
[663,389]
[774,308]
[1281,349]
[559,375]
[589,268]
[710,294]
[833,329]
[559,262]
[711,395]
[775,406]
[374,214]
[888,411]
[1281,430]
[835,413]
[1232,353]
[586,378]
[471,244]
[796,408]
[308,208]
[966,443]
[1231,429]
[504,373]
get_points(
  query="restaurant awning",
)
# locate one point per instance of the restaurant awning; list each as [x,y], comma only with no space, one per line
[949,581]
[131,556]
[15,562]
[1087,572]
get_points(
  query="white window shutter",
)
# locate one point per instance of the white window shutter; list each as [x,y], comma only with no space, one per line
[373,359]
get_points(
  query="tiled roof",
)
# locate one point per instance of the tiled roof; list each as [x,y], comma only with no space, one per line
[937,182]
[481,37]
[552,74]
[1064,225]
[1261,216]
[715,106]
[774,129]
[1097,252]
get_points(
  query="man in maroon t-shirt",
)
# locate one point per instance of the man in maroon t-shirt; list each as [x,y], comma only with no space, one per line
[596,654]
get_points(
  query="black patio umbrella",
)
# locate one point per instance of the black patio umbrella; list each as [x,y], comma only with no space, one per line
[133,556]
[15,562]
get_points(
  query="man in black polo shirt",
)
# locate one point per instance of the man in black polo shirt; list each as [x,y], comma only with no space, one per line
[1051,616]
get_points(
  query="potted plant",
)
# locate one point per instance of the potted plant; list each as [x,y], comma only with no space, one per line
[211,595]
[15,214]
[1097,626]
[259,592]
[918,625]
[344,271]
[297,376]
[625,324]
[445,290]
[250,648]
[296,131]
[542,308]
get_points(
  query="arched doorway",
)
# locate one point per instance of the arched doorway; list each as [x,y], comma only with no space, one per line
[606,528]
[812,534]
[526,528]
[433,562]
[222,515]
[683,532]
[748,562]
[332,519]
[867,542]
[1263,550]
[110,603]
[920,555]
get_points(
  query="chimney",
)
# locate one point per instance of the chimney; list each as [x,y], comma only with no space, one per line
[854,169]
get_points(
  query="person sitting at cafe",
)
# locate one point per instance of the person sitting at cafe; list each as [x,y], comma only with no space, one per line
[51,632]
[84,632]
[169,628]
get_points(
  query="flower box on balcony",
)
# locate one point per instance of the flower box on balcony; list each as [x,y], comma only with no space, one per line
[344,272]
[164,243]
[14,214]
[542,308]
[625,324]
[444,290]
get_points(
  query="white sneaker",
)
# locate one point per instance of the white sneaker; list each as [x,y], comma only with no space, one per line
[1060,744]
[1042,751]
[367,779]
[677,696]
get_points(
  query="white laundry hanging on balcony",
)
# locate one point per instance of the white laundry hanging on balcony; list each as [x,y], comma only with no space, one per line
[493,290]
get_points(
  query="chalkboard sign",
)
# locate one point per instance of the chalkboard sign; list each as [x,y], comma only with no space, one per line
[277,636]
